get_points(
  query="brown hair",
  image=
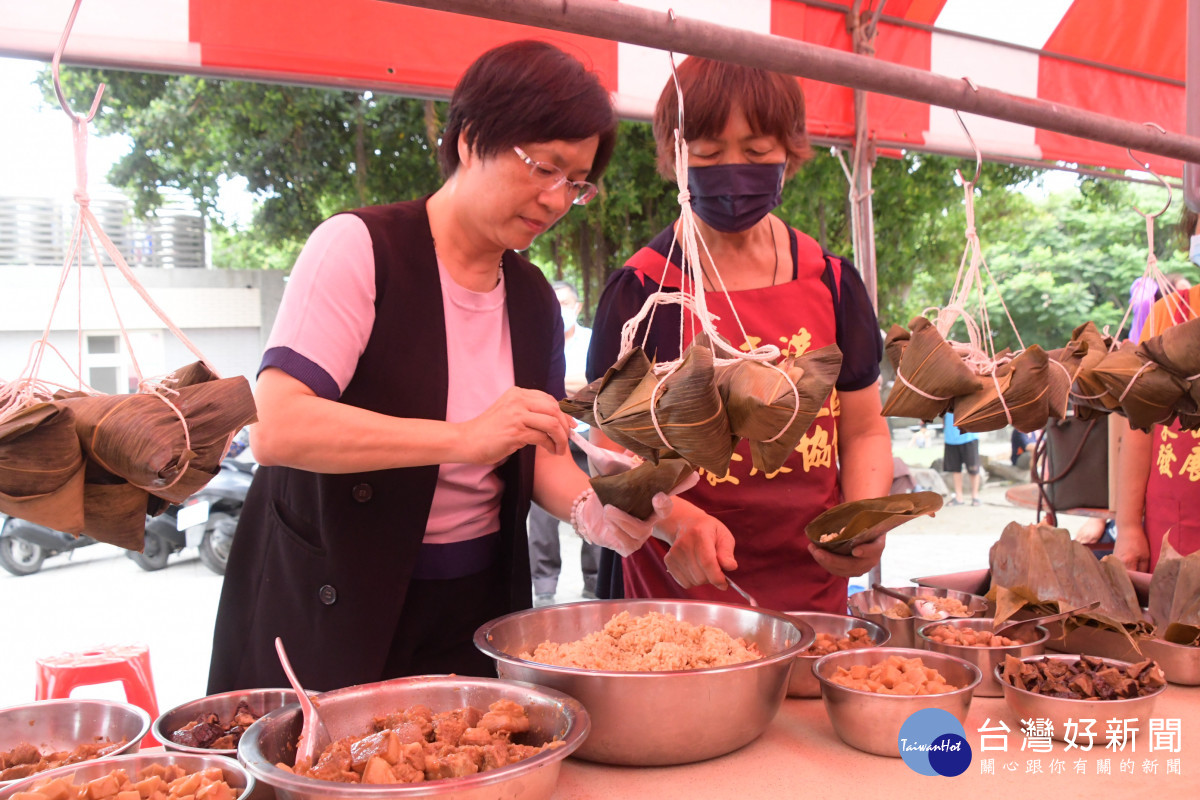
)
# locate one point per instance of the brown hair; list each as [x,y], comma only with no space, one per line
[1187,225]
[526,92]
[772,102]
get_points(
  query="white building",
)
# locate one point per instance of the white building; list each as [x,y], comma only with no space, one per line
[226,314]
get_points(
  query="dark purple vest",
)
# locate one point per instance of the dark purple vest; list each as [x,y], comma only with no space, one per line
[326,559]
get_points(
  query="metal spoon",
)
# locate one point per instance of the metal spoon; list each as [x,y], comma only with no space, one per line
[1012,627]
[313,735]
[918,606]
[742,592]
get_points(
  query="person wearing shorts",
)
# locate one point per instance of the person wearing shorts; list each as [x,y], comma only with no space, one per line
[962,450]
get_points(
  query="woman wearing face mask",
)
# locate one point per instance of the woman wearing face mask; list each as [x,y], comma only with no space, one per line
[407,404]
[746,136]
[1159,487]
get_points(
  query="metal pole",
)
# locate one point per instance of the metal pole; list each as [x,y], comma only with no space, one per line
[1191,172]
[626,23]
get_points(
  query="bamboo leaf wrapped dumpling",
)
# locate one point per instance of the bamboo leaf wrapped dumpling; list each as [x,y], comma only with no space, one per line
[41,468]
[606,394]
[689,412]
[819,373]
[1021,392]
[1148,394]
[929,374]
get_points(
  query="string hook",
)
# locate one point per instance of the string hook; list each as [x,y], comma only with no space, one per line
[58,52]
[971,139]
[1145,167]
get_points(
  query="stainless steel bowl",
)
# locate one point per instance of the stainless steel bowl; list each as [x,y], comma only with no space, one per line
[235,775]
[65,724]
[904,631]
[349,711]
[224,705]
[803,683]
[986,658]
[1025,704]
[871,722]
[657,718]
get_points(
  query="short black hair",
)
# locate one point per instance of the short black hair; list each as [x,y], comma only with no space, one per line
[524,92]
[570,287]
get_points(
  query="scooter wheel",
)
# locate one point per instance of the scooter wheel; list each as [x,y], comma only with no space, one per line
[19,556]
[218,539]
[155,551]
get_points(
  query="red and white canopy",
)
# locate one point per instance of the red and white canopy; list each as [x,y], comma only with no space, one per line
[1122,58]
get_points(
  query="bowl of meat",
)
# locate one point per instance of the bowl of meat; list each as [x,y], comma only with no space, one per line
[870,693]
[972,639]
[40,736]
[441,736]
[834,632]
[1087,691]
[215,723]
[170,776]
[665,681]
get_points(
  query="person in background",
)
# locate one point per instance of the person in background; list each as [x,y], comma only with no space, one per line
[961,450]
[545,560]
[1158,490]
[746,136]
[921,435]
[1022,445]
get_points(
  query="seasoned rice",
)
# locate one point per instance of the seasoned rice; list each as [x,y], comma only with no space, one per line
[651,643]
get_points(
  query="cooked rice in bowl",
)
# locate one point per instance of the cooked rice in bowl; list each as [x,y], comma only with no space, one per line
[653,642]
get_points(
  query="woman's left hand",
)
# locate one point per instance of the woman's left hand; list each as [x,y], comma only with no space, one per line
[861,560]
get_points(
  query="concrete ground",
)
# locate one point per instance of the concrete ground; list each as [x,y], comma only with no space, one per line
[100,597]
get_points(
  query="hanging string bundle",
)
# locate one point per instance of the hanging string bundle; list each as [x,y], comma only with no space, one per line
[79,461]
[987,390]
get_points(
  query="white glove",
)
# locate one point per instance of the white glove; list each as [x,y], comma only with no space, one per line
[609,526]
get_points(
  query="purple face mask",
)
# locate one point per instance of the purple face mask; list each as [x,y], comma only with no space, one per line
[733,197]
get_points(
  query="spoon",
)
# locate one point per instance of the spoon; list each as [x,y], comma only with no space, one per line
[1011,627]
[918,606]
[742,592]
[313,735]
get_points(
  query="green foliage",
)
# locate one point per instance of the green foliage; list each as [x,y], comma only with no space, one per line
[305,153]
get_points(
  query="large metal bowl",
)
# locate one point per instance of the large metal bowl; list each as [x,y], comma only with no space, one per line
[235,775]
[871,722]
[904,631]
[347,712]
[223,705]
[803,683]
[657,718]
[52,725]
[1026,705]
[986,658]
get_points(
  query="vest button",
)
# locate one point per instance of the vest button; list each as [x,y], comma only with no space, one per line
[328,594]
[362,492]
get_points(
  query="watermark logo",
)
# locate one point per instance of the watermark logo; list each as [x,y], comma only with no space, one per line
[934,742]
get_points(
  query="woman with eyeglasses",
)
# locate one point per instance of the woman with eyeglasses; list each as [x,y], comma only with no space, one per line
[745,132]
[407,404]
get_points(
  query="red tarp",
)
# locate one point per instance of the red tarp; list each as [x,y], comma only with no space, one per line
[1123,58]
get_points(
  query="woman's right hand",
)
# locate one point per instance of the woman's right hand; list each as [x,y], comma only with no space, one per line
[519,417]
[1132,548]
[701,547]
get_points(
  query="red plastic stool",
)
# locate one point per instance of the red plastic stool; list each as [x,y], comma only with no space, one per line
[58,676]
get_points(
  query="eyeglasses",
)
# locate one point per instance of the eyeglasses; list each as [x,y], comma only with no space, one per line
[550,177]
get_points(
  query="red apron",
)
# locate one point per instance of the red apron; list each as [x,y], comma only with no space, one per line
[1173,491]
[1173,488]
[765,513]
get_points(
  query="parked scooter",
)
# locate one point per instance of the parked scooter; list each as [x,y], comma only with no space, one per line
[205,520]
[24,545]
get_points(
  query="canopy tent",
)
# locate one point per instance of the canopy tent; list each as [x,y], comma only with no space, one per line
[1121,58]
